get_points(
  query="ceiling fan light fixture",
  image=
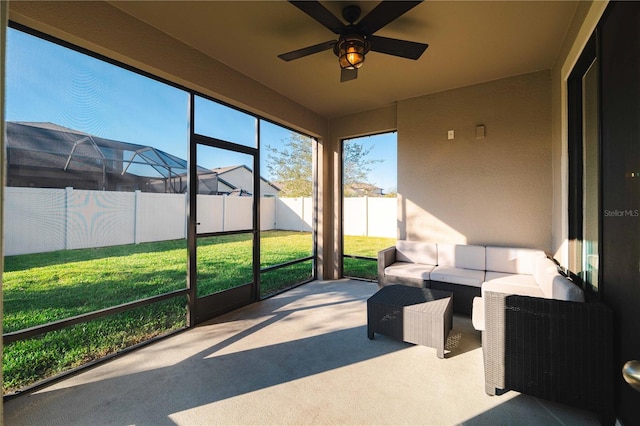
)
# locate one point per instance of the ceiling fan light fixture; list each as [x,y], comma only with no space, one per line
[357,37]
[351,50]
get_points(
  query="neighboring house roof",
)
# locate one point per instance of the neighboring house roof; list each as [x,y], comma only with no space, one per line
[363,188]
[225,175]
[49,155]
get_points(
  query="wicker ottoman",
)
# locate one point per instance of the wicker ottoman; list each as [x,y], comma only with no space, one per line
[415,315]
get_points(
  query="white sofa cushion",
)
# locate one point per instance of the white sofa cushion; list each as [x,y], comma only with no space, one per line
[565,289]
[409,270]
[450,274]
[544,274]
[522,288]
[461,256]
[477,314]
[512,260]
[516,279]
[416,252]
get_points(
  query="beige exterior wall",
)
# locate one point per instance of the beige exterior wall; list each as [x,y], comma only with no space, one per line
[584,22]
[493,191]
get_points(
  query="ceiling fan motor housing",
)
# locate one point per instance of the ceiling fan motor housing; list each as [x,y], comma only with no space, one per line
[351,13]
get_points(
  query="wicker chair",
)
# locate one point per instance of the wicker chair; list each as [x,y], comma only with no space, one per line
[555,350]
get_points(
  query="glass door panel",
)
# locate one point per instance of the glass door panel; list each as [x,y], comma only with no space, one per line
[590,174]
[224,207]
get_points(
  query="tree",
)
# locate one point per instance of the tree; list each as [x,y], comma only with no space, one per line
[356,169]
[356,165]
[291,166]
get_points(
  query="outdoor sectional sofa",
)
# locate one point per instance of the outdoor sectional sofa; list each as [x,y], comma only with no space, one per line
[462,269]
[539,336]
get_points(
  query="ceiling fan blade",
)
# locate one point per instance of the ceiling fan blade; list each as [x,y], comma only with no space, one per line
[383,13]
[401,48]
[296,54]
[348,74]
[320,14]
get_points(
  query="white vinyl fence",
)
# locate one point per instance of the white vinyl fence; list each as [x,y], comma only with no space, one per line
[39,220]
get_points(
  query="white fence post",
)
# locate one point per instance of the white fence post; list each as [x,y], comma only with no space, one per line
[224,213]
[68,191]
[366,216]
[136,218]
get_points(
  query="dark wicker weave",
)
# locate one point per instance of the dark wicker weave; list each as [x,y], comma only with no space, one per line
[556,350]
[464,294]
[414,315]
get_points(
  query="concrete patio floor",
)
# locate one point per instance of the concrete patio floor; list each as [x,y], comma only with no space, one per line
[302,357]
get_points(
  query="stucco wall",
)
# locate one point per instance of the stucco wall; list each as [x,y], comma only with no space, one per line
[496,190]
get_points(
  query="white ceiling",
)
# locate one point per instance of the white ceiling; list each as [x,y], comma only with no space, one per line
[469,42]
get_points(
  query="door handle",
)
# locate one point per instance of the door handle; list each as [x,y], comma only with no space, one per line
[631,374]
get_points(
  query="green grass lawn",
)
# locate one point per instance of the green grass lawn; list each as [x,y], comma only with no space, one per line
[367,247]
[40,288]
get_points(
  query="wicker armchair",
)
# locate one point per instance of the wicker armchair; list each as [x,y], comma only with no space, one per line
[552,349]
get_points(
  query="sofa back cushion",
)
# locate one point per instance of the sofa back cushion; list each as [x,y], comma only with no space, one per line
[544,273]
[461,256]
[512,260]
[565,289]
[416,252]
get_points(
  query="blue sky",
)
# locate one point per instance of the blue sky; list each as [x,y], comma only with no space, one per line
[51,83]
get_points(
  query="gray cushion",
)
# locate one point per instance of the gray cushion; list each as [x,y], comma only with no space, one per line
[565,289]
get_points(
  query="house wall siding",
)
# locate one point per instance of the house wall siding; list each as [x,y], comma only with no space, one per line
[496,190]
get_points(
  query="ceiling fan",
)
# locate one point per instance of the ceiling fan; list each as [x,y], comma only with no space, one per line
[357,39]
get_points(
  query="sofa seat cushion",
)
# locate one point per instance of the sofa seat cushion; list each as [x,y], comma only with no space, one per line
[517,279]
[409,270]
[521,285]
[449,274]
[477,314]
